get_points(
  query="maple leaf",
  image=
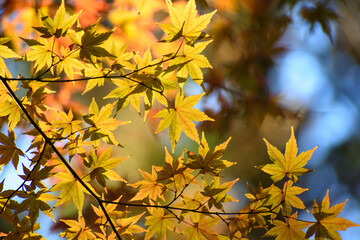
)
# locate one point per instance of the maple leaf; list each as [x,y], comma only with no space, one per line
[191,62]
[24,229]
[241,224]
[287,197]
[96,74]
[209,161]
[8,149]
[41,53]
[180,118]
[67,126]
[186,24]
[122,57]
[217,192]
[5,52]
[290,164]
[57,27]
[36,175]
[33,202]
[101,124]
[291,229]
[202,227]
[110,210]
[125,93]
[4,93]
[68,61]
[258,203]
[70,188]
[196,202]
[149,187]
[127,227]
[101,166]
[158,222]
[12,111]
[77,229]
[90,41]
[177,174]
[327,223]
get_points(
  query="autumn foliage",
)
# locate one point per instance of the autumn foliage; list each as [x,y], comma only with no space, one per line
[72,159]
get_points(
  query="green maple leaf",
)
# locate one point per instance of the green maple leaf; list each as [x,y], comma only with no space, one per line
[57,27]
[186,24]
[180,117]
[8,149]
[290,164]
[327,221]
[101,124]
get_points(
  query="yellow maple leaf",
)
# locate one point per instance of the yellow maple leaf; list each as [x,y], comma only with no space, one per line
[149,187]
[180,117]
[291,229]
[327,223]
[186,24]
[290,164]
[71,188]
[287,197]
[190,62]
[158,222]
[5,52]
[101,166]
[77,229]
[102,124]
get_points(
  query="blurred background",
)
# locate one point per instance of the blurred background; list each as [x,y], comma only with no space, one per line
[276,64]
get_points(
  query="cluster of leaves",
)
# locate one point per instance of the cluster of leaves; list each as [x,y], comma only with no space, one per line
[74,149]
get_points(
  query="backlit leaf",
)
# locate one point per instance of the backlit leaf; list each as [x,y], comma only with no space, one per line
[327,221]
[180,117]
[289,165]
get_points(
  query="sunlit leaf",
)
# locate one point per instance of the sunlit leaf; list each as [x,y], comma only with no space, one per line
[180,117]
[291,165]
[327,221]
